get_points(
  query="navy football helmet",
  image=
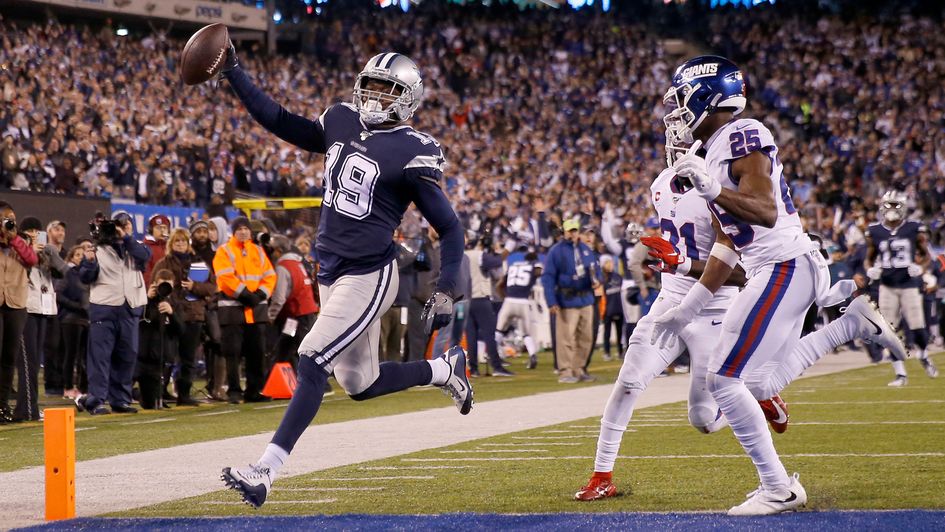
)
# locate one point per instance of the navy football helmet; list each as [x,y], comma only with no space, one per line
[700,86]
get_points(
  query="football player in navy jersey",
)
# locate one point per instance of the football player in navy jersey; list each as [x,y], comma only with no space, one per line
[518,304]
[376,165]
[896,257]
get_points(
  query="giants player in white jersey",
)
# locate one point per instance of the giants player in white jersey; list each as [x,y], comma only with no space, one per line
[760,350]
[686,224]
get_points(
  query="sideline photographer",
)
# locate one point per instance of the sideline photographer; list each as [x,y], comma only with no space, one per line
[161,329]
[40,307]
[117,298]
[16,257]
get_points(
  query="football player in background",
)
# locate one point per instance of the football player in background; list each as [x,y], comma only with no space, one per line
[518,304]
[896,256]
[760,350]
[376,165]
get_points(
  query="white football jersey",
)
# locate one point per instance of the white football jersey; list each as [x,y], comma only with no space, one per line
[685,220]
[758,245]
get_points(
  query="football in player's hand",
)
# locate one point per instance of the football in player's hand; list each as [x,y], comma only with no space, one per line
[204,54]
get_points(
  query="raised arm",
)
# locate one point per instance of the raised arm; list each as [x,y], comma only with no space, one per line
[300,131]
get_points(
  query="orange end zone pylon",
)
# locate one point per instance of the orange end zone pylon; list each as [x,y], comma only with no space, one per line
[59,443]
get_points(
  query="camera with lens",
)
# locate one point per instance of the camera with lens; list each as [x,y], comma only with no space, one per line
[103,230]
[164,289]
[9,224]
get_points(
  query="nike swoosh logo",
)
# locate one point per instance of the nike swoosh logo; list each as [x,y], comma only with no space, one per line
[792,498]
[873,323]
[714,322]
[782,416]
[741,127]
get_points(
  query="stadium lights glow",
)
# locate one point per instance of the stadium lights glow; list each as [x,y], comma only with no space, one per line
[405,5]
[277,16]
[605,5]
[121,32]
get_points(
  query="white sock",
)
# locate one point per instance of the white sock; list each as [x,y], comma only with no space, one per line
[923,354]
[273,458]
[750,428]
[899,366]
[441,370]
[808,350]
[530,345]
[613,424]
[499,337]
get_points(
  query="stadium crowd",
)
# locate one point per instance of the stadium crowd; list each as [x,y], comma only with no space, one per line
[545,117]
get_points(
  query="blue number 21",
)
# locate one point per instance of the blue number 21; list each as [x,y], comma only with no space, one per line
[688,233]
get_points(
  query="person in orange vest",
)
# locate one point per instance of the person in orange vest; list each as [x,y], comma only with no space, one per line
[246,280]
[292,307]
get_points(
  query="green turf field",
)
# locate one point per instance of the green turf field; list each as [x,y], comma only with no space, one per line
[856,443]
[21,445]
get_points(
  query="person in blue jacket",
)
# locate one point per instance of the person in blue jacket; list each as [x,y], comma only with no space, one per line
[571,273]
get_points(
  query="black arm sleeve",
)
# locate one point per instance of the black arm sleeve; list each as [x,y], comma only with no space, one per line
[304,133]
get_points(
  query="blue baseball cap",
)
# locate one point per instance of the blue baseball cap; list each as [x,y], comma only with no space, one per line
[652,223]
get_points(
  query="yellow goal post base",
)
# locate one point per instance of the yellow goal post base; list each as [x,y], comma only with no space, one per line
[275,204]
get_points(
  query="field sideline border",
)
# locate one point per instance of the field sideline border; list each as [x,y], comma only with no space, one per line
[831,520]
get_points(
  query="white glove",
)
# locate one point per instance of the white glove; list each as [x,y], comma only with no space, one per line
[666,327]
[914,270]
[874,273]
[693,168]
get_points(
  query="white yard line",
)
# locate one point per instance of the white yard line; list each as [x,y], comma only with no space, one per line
[682,457]
[467,451]
[269,407]
[268,502]
[523,443]
[372,479]
[915,402]
[122,482]
[336,488]
[216,413]
[403,468]
[150,421]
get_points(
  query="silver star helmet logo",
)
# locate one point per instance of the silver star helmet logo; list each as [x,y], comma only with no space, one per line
[365,135]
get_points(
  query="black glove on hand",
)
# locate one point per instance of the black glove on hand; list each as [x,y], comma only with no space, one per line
[261,295]
[437,312]
[247,298]
[231,60]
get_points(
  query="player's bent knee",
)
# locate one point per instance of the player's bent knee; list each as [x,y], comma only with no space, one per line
[702,417]
[353,384]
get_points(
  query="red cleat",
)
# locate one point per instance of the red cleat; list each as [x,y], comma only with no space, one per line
[776,413]
[598,487]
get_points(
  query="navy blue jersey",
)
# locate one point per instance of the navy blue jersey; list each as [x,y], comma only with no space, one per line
[895,251]
[521,279]
[371,177]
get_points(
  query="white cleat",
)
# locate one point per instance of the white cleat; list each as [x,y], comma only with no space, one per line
[898,382]
[769,502]
[873,327]
[457,386]
[930,368]
[253,482]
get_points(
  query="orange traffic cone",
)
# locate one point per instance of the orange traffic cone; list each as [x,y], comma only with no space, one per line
[281,383]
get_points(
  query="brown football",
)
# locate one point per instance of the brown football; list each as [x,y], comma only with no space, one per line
[204,54]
